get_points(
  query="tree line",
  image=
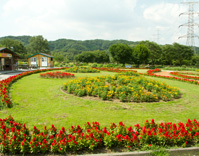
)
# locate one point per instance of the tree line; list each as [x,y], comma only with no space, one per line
[145,52]
[103,51]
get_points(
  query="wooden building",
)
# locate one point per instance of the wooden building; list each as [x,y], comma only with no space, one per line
[8,59]
[40,60]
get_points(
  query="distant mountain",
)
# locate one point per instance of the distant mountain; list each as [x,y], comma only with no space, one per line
[76,46]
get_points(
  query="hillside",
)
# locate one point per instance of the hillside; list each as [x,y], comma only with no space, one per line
[23,39]
[76,46]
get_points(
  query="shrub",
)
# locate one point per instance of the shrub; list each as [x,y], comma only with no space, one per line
[78,69]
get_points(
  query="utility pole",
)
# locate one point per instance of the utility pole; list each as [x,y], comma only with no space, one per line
[190,25]
[158,36]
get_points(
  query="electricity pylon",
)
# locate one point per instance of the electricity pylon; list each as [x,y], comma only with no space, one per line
[190,25]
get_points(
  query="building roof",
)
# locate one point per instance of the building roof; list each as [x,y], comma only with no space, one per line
[41,54]
[3,49]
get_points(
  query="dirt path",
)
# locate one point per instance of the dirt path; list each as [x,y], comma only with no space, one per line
[163,73]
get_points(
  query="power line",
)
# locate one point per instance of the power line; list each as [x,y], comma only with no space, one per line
[190,25]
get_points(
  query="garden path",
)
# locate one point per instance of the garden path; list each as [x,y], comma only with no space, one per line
[164,73]
[7,75]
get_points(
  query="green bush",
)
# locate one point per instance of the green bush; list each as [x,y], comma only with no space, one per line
[181,68]
[80,69]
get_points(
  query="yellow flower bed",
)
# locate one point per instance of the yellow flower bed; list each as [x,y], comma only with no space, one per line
[123,87]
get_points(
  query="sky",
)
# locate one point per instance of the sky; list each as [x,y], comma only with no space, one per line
[133,20]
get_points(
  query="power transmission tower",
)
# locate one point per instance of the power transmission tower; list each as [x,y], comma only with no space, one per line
[158,36]
[190,25]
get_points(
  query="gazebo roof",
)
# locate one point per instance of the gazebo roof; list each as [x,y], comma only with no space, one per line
[4,49]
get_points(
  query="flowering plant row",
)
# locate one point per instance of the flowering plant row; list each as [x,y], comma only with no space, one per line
[123,87]
[5,84]
[173,78]
[57,74]
[188,73]
[118,70]
[17,138]
[82,70]
[179,74]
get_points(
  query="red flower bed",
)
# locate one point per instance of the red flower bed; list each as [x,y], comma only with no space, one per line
[57,75]
[150,72]
[17,138]
[5,84]
[185,76]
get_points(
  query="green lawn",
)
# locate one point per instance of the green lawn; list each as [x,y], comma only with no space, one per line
[40,102]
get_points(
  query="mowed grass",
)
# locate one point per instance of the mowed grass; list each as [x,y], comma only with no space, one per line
[41,102]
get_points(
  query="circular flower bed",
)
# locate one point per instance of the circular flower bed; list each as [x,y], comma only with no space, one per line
[123,87]
[57,75]
[82,70]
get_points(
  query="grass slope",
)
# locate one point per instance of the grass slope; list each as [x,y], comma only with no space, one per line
[40,102]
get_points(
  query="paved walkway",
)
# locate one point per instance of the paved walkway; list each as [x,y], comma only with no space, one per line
[7,74]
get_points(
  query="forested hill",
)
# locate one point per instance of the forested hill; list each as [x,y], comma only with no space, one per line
[23,39]
[68,45]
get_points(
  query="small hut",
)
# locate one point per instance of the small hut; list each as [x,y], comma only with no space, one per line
[8,59]
[40,60]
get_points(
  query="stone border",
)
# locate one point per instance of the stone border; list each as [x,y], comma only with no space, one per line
[192,151]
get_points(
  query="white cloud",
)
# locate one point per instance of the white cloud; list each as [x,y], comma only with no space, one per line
[164,12]
[91,19]
[67,18]
[165,18]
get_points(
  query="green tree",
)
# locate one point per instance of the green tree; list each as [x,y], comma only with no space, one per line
[16,46]
[155,51]
[37,44]
[140,54]
[93,56]
[101,56]
[195,60]
[87,57]
[59,58]
[168,54]
[121,53]
[182,52]
[176,54]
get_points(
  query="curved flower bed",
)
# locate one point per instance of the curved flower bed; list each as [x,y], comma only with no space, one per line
[125,88]
[57,75]
[179,74]
[82,70]
[5,84]
[188,73]
[172,77]
[151,72]
[17,138]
